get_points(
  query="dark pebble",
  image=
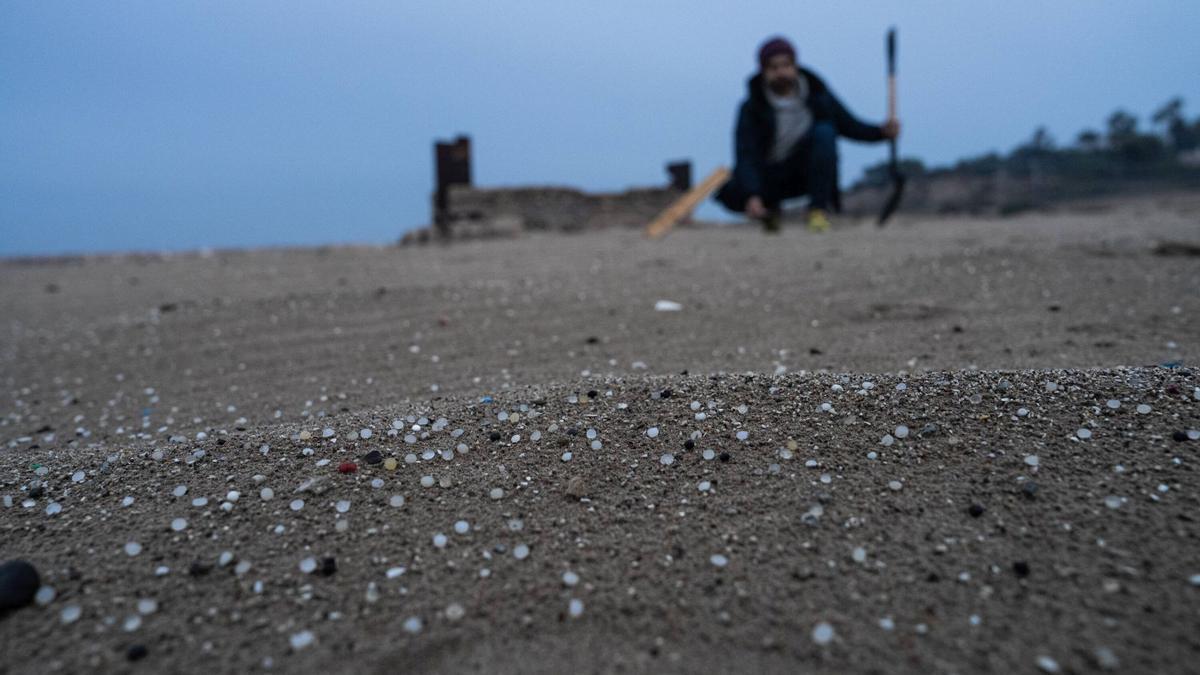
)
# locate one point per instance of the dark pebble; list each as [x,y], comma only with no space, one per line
[19,582]
[328,567]
[666,393]
[572,432]
[1179,436]
[689,444]
[1021,568]
[593,340]
[373,457]
[975,510]
[199,569]
[929,430]
[494,436]
[593,393]
[724,456]
[136,652]
[36,492]
[1030,489]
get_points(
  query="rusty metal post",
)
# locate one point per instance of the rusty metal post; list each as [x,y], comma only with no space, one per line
[453,167]
[681,175]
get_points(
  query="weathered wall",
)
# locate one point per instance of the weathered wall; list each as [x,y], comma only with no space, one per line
[489,212]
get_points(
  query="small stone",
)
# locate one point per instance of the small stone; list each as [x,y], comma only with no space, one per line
[887,440]
[718,560]
[570,578]
[1029,489]
[725,457]
[1143,409]
[44,596]
[975,510]
[1113,403]
[822,633]
[308,565]
[439,540]
[427,481]
[496,493]
[1021,569]
[576,488]
[520,551]
[462,527]
[575,608]
[342,506]
[413,625]
[70,614]
[396,501]
[1032,460]
[347,467]
[895,485]
[302,640]
[455,611]
[901,431]
[1048,665]
[743,435]
[179,524]
[1083,433]
[1106,659]
[667,459]
[147,606]
[390,464]
[396,572]
[1114,502]
[267,494]
[373,457]
[328,566]
[136,652]
[132,548]
[296,504]
[1179,436]
[652,432]
[859,555]
[364,434]
[708,455]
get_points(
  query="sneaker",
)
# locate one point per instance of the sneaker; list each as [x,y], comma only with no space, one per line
[818,221]
[771,223]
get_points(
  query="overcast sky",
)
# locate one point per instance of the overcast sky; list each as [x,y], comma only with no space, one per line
[176,125]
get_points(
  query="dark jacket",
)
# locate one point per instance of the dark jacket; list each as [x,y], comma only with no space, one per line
[755,131]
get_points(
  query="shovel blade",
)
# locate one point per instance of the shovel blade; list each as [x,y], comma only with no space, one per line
[893,201]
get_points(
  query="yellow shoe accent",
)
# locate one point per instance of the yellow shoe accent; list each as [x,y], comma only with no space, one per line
[818,221]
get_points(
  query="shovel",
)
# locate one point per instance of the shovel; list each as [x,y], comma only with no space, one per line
[894,165]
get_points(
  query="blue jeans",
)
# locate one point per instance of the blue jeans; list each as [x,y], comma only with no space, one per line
[810,168]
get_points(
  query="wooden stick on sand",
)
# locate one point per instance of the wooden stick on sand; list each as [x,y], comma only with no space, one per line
[685,204]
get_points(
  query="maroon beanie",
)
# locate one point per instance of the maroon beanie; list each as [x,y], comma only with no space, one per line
[774,47]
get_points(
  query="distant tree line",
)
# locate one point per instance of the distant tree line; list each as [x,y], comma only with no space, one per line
[1169,148]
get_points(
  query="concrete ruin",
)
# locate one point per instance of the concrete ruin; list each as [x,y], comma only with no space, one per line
[463,211]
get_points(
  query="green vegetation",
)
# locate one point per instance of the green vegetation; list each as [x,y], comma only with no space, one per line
[1168,152]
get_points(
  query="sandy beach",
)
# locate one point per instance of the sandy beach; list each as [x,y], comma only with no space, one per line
[950,445]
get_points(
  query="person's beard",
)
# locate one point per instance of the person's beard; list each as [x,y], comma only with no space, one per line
[782,86]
